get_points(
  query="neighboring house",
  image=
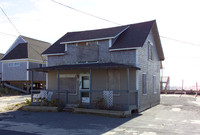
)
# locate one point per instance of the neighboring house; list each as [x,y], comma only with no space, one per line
[117,66]
[24,53]
[1,55]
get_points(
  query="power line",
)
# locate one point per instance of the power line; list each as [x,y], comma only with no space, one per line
[117,23]
[84,12]
[10,20]
[89,15]
[7,34]
[179,41]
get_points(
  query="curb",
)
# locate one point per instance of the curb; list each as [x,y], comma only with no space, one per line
[40,108]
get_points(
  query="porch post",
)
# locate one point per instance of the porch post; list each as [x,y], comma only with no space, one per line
[90,86]
[58,84]
[31,87]
[128,88]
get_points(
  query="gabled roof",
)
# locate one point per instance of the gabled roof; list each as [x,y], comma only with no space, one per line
[81,36]
[134,36]
[19,52]
[127,36]
[25,47]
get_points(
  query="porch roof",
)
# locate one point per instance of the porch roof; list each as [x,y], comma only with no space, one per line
[84,66]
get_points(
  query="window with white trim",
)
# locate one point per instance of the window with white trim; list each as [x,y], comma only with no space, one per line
[154,84]
[144,83]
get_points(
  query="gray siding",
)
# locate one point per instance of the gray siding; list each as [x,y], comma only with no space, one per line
[99,53]
[150,68]
[18,73]
[37,76]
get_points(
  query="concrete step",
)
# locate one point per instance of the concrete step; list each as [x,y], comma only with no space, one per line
[68,109]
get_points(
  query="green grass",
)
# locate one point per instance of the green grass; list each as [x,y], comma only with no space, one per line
[6,91]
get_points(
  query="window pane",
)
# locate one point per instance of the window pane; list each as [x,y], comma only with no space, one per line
[85,82]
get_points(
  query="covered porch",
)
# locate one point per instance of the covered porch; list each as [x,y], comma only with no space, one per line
[93,85]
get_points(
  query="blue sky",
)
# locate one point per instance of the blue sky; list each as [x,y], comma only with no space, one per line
[48,21]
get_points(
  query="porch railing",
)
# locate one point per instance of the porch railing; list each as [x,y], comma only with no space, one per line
[126,99]
[57,92]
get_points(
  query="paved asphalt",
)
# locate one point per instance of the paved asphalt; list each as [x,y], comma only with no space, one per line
[60,123]
[8,132]
[175,115]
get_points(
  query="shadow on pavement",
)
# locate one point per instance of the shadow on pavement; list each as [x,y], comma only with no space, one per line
[9,132]
[75,123]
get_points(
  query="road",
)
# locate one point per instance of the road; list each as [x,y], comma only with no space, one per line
[175,115]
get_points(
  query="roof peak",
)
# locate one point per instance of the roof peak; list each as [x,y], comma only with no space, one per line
[32,39]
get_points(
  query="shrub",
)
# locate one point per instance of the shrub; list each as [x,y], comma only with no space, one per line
[28,101]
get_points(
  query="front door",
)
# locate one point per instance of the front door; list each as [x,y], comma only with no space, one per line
[84,88]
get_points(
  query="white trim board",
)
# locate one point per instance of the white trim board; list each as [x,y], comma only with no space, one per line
[87,40]
[124,49]
[22,60]
[54,54]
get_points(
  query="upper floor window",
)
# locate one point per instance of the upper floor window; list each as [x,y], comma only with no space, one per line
[87,51]
[150,51]
[13,64]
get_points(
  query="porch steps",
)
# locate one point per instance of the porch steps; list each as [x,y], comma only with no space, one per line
[68,109]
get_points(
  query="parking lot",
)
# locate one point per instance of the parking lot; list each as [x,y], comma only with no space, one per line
[175,115]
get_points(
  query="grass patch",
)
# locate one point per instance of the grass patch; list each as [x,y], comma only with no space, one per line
[6,92]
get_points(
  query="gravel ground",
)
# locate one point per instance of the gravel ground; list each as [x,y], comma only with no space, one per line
[11,103]
[175,115]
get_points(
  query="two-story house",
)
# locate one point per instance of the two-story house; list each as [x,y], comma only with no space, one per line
[118,66]
[23,54]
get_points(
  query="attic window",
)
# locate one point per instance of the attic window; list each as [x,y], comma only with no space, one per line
[150,51]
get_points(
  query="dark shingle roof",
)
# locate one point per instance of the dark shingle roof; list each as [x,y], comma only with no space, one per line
[93,34]
[85,66]
[81,36]
[19,52]
[56,47]
[25,47]
[128,36]
[134,36]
